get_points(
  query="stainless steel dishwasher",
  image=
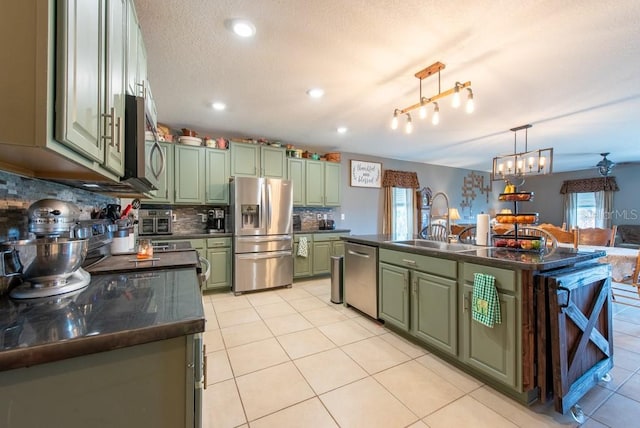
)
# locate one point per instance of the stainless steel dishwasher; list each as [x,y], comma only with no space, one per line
[361,278]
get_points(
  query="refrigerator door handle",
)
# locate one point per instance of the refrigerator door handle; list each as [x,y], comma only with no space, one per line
[249,239]
[269,255]
[268,206]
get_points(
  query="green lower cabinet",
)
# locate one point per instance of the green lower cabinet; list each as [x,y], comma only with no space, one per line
[301,265]
[337,248]
[433,311]
[321,257]
[493,351]
[220,274]
[393,302]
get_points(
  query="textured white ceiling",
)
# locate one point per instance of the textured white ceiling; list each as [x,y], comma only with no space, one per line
[571,68]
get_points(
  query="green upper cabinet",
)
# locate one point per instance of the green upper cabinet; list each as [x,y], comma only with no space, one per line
[245,159]
[254,160]
[322,184]
[296,173]
[189,175]
[115,86]
[133,33]
[164,194]
[315,184]
[217,176]
[273,162]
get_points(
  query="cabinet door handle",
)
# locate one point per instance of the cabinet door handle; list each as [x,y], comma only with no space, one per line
[415,285]
[465,303]
[409,262]
[119,134]
[110,116]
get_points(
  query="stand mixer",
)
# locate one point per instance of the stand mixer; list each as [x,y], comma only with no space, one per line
[51,263]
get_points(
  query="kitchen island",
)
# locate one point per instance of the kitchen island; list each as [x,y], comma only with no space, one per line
[425,293]
[124,351]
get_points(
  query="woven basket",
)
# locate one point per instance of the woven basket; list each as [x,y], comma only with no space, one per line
[333,157]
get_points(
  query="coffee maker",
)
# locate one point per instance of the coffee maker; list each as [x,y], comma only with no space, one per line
[215,220]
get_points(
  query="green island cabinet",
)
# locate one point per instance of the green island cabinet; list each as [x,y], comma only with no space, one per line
[321,247]
[496,351]
[257,160]
[430,299]
[200,175]
[219,256]
[164,194]
[418,294]
[322,185]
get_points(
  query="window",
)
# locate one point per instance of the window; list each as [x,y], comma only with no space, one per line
[586,212]
[402,216]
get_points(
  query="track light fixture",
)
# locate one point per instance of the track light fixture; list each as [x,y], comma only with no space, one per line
[435,68]
[515,167]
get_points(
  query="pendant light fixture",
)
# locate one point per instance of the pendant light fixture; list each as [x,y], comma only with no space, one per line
[423,102]
[605,166]
[515,167]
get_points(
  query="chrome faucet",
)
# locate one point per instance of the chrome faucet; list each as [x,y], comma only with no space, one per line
[448,231]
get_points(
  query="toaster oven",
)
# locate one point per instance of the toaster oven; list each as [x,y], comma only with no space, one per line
[155,222]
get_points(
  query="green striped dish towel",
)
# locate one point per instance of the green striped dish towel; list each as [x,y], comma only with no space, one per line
[485,306]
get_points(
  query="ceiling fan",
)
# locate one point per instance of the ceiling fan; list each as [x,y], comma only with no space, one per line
[605,166]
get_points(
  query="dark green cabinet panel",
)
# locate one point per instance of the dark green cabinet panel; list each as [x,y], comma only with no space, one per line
[393,302]
[433,311]
[493,351]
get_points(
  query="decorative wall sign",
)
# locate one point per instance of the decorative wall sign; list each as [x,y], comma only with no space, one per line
[366,174]
[470,183]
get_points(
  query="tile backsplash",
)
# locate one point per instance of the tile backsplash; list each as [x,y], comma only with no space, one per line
[309,216]
[17,193]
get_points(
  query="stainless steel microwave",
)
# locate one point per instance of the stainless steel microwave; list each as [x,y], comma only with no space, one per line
[144,160]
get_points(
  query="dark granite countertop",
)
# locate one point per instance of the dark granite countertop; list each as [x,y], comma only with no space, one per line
[493,256]
[113,311]
[203,235]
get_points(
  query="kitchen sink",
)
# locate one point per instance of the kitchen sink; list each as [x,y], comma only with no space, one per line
[436,245]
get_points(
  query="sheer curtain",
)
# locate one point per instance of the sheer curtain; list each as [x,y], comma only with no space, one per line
[602,187]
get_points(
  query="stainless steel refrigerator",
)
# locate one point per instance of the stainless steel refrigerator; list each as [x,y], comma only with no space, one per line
[261,212]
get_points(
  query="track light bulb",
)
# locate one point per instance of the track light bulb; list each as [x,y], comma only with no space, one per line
[435,119]
[408,128]
[394,120]
[470,105]
[455,101]
[423,109]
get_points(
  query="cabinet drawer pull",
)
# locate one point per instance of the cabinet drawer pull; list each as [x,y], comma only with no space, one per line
[410,262]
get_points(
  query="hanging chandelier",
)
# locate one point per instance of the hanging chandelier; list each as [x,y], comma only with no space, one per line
[517,166]
[424,102]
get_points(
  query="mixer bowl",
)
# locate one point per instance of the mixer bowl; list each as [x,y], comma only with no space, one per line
[44,261]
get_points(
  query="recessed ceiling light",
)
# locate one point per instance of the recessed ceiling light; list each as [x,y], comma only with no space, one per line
[243,28]
[342,129]
[218,106]
[315,92]
[91,185]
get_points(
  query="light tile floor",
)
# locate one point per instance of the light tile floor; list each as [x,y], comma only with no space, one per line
[291,358]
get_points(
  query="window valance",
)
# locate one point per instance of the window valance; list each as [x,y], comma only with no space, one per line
[585,185]
[405,179]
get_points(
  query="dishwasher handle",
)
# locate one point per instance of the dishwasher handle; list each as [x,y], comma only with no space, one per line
[358,253]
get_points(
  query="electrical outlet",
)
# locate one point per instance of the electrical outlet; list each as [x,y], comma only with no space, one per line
[174,217]
[319,216]
[342,216]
